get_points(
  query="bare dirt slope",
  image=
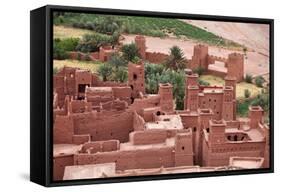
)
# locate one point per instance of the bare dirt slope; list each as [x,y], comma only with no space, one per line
[253,36]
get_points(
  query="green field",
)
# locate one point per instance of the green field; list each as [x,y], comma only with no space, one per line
[63,32]
[89,65]
[157,27]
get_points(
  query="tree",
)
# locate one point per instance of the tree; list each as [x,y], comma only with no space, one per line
[247,93]
[259,80]
[116,61]
[130,51]
[121,74]
[176,59]
[105,71]
[249,78]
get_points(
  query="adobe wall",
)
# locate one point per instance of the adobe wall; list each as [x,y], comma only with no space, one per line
[218,155]
[156,57]
[59,164]
[81,139]
[63,129]
[213,101]
[148,137]
[146,102]
[100,146]
[215,73]
[148,113]
[105,52]
[80,106]
[103,126]
[138,122]
[183,149]
[137,159]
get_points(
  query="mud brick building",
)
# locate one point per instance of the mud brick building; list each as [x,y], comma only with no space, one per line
[116,129]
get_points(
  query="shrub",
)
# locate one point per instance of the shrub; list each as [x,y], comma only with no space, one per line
[92,42]
[259,80]
[199,70]
[130,51]
[249,78]
[262,100]
[61,47]
[116,60]
[87,57]
[247,93]
[202,82]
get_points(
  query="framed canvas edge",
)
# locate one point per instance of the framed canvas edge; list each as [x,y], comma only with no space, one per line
[49,111]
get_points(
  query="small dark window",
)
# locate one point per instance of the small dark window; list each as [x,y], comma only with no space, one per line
[208,130]
[194,129]
[135,77]
[158,113]
[229,137]
[182,148]
[82,88]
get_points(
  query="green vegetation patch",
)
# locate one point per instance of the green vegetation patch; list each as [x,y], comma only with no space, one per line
[150,26]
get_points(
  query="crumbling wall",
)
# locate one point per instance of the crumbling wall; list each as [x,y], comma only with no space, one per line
[148,137]
[100,146]
[136,159]
[102,126]
[156,57]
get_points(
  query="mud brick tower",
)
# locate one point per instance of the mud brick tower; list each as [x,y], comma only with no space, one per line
[235,66]
[192,100]
[183,149]
[166,97]
[136,79]
[256,116]
[227,107]
[140,42]
[200,57]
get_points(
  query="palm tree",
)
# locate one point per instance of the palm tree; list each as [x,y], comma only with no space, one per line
[105,71]
[176,59]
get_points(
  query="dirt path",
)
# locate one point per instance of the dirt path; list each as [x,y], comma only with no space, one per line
[255,63]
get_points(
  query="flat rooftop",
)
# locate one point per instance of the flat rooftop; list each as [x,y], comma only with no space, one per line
[89,171]
[166,122]
[65,149]
[169,142]
[246,162]
[99,89]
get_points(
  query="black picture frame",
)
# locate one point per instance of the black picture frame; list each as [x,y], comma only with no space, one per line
[41,111]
